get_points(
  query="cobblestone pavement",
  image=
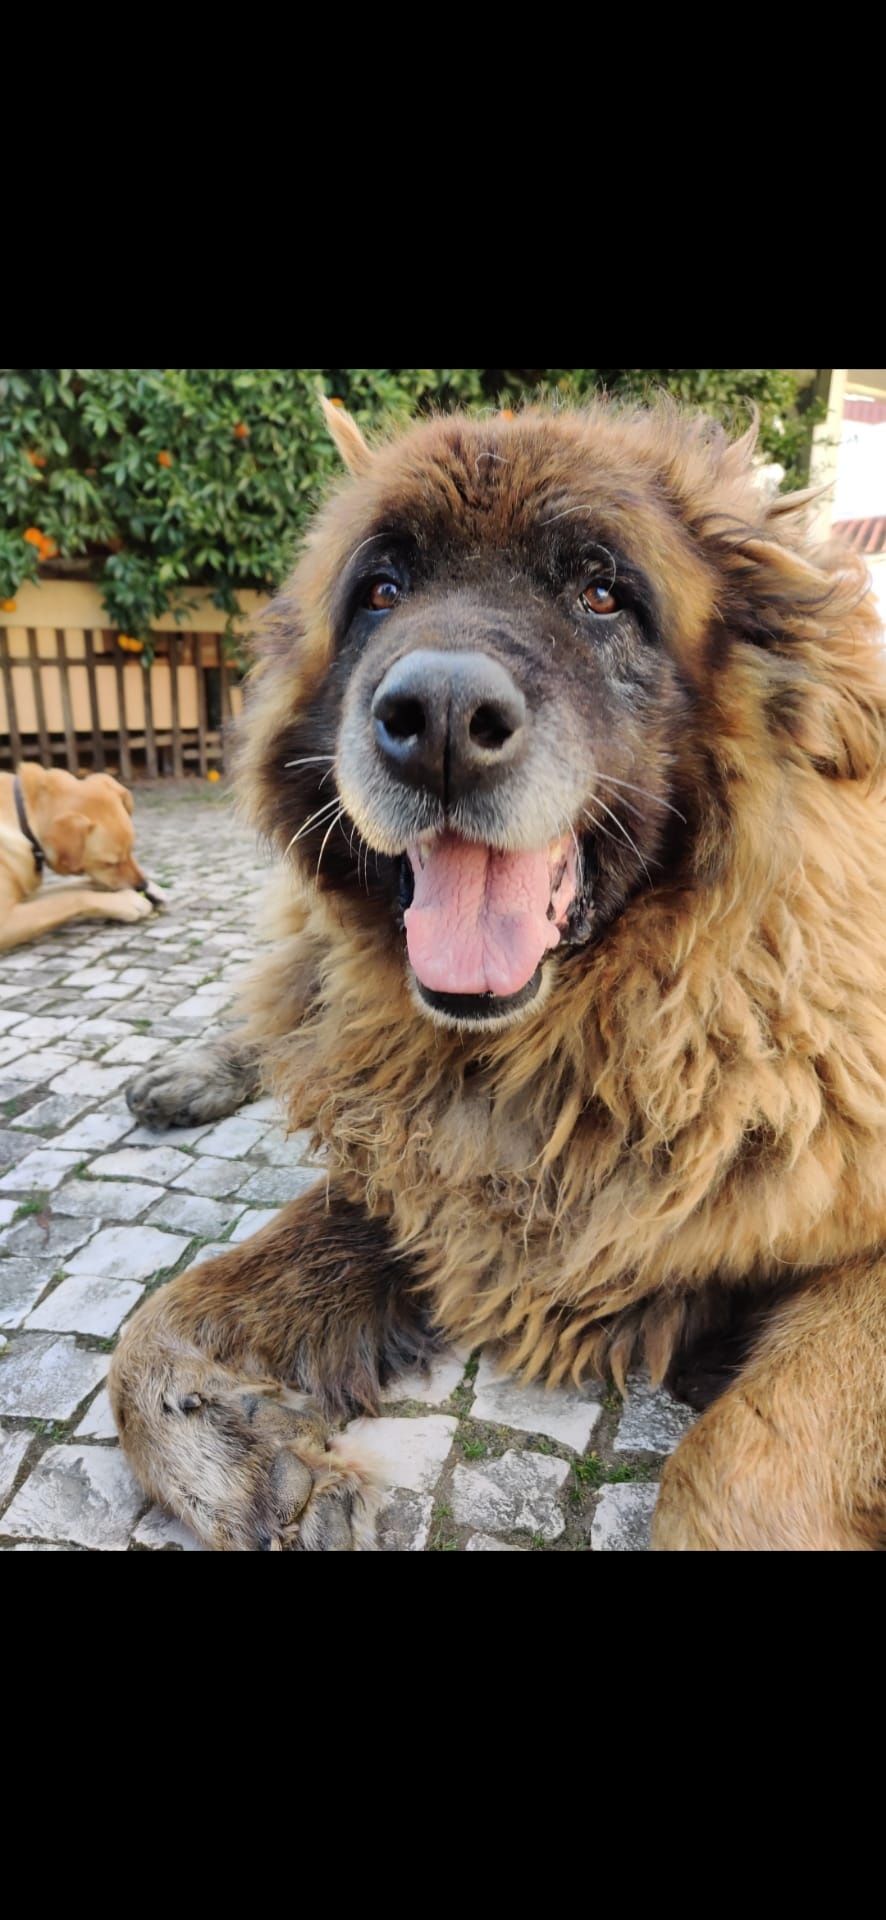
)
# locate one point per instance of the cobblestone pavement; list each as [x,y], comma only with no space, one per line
[94,1210]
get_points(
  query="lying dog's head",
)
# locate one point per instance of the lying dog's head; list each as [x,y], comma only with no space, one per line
[504,692]
[85,825]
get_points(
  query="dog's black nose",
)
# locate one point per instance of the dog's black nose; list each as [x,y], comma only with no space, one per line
[448,721]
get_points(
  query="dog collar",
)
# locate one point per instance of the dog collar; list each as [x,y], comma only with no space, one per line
[36,849]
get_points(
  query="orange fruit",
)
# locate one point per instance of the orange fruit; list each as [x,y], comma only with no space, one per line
[34,537]
[164,459]
[36,459]
[213,774]
[336,403]
[130,645]
[241,431]
[48,549]
[7,606]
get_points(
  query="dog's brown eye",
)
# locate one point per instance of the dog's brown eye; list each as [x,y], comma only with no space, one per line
[382,595]
[598,599]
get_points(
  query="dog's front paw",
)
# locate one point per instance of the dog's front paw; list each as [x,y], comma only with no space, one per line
[196,1086]
[277,1485]
[127,906]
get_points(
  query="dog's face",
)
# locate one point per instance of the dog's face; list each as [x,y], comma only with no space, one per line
[490,695]
[506,729]
[90,830]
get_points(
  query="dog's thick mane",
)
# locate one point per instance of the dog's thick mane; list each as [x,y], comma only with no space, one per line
[704,1092]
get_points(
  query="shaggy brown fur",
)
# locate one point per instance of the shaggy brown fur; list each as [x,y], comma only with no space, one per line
[683,1136]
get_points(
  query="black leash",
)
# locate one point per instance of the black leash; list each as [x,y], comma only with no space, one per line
[36,849]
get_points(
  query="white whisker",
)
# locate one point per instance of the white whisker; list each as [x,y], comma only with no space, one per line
[654,797]
[384,535]
[598,826]
[623,830]
[327,808]
[577,847]
[330,829]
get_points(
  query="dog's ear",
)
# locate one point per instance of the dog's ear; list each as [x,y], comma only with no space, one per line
[346,436]
[811,612]
[66,844]
[116,787]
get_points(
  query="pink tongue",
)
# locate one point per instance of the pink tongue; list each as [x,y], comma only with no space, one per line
[479,922]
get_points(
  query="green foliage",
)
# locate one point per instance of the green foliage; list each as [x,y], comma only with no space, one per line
[34,1203]
[154,481]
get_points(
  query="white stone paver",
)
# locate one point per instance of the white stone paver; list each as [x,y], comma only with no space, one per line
[128,1253]
[250,1222]
[517,1491]
[44,1376]
[404,1522]
[58,1110]
[556,1412]
[405,1453]
[134,1052]
[623,1518]
[209,1251]
[158,1529]
[98,1422]
[40,1546]
[39,1172]
[86,1305]
[487,1543]
[210,1177]
[161,1164]
[274,1186]
[46,1028]
[44,1238]
[653,1421]
[235,1137]
[14,1444]
[89,1078]
[21,1284]
[173,1137]
[34,1068]
[190,1213]
[14,1145]
[281,1149]
[101,1200]
[84,1494]
[98,1130]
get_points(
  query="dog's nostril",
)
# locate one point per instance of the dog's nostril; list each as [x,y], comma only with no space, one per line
[402,719]
[490,728]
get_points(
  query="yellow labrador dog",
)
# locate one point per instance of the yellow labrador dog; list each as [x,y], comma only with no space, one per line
[49,819]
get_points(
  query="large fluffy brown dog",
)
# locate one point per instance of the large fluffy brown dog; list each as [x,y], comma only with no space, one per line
[572,746]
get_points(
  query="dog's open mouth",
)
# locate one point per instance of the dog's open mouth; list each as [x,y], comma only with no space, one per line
[480,921]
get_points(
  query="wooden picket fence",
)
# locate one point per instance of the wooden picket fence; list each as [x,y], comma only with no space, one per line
[71,696]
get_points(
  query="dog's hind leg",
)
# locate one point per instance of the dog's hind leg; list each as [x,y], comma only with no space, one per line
[226,1380]
[792,1458]
[198,1085]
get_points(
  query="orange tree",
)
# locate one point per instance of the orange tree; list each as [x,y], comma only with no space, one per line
[155,481]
